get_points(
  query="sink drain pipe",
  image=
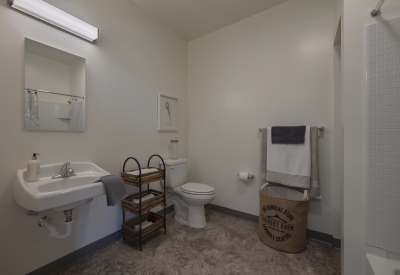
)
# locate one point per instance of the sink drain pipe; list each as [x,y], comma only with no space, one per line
[53,232]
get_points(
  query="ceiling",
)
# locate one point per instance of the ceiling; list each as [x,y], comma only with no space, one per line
[194,18]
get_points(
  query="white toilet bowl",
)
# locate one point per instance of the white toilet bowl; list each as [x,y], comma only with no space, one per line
[189,207]
[189,199]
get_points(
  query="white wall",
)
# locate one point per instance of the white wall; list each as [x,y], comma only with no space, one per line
[338,26]
[337,192]
[135,58]
[274,68]
[78,88]
[337,204]
[77,78]
[356,18]
[49,75]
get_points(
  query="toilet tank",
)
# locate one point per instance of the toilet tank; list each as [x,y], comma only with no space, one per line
[175,172]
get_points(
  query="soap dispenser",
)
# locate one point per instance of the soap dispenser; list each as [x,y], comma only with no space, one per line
[33,169]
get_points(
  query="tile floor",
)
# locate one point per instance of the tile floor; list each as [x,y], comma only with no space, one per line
[227,245]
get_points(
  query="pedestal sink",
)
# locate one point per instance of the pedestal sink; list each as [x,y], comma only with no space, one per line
[62,193]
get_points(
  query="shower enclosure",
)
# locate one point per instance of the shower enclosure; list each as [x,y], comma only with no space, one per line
[383,143]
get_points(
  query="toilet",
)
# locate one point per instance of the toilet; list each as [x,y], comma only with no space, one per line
[188,198]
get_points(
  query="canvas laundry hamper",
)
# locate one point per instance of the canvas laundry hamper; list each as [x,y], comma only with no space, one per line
[283,218]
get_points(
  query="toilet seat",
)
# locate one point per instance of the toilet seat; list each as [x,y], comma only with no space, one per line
[193,188]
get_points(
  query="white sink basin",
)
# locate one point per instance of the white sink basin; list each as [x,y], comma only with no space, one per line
[60,194]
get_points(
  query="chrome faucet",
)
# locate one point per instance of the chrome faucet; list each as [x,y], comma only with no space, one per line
[66,172]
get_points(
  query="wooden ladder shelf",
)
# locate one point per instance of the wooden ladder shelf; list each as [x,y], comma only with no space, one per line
[134,204]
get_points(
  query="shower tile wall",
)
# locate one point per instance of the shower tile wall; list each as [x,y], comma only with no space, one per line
[61,116]
[48,118]
[383,171]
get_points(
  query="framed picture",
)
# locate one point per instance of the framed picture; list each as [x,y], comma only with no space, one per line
[167,113]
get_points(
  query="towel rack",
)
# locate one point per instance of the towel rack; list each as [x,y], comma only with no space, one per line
[320,128]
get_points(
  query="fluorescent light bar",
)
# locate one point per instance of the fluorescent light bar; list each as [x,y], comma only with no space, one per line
[56,17]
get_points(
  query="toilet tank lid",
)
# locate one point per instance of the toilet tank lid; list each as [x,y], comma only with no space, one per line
[170,162]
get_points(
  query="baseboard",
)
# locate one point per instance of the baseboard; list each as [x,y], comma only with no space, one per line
[83,252]
[170,208]
[337,243]
[232,212]
[311,234]
[78,255]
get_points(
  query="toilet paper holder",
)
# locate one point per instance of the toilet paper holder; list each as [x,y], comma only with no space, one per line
[250,176]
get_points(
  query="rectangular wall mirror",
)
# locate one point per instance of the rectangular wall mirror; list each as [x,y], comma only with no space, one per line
[54,89]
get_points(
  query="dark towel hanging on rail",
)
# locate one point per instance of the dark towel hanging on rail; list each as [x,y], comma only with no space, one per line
[288,134]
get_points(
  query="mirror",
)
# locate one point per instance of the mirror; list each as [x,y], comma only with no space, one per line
[54,89]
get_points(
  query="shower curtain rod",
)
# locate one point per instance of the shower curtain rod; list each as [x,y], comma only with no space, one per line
[47,92]
[375,11]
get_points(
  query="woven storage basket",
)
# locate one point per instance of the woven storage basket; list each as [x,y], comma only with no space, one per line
[283,218]
[129,205]
[130,233]
[146,178]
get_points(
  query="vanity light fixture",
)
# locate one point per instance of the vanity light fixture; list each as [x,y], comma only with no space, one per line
[56,17]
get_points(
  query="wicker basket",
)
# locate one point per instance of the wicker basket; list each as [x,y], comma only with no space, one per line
[130,233]
[146,178]
[130,206]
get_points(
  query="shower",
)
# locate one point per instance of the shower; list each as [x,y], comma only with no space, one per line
[375,11]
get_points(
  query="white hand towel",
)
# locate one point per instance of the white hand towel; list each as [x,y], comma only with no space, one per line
[144,225]
[144,171]
[149,196]
[289,164]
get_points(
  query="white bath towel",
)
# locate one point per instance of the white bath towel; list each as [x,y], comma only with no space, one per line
[144,171]
[149,196]
[289,164]
[144,225]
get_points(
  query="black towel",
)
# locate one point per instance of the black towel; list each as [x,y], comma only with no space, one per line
[288,135]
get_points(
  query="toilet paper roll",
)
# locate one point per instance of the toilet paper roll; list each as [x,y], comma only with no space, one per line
[244,176]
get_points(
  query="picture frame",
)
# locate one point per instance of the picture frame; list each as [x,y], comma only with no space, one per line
[168,113]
